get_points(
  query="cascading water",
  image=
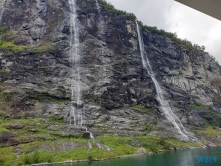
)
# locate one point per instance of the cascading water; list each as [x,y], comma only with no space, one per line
[100,18]
[101,26]
[2,9]
[163,103]
[75,84]
[76,101]
[165,107]
[76,114]
[98,7]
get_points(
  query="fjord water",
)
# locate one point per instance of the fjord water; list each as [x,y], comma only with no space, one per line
[173,158]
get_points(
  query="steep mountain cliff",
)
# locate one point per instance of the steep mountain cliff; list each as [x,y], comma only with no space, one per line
[39,76]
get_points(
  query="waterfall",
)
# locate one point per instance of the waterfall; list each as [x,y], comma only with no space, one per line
[76,100]
[101,26]
[2,9]
[75,84]
[100,18]
[98,7]
[164,105]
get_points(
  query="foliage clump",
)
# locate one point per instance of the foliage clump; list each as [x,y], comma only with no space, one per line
[10,46]
[110,7]
[3,30]
[45,47]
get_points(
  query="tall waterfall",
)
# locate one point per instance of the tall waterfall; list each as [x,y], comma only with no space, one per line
[75,112]
[76,100]
[163,103]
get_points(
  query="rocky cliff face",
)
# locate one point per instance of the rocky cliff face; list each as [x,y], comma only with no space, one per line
[118,94]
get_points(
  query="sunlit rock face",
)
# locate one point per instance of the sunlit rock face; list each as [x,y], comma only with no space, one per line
[117,94]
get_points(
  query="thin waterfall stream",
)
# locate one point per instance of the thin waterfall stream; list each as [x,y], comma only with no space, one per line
[2,9]
[100,18]
[98,7]
[76,115]
[164,105]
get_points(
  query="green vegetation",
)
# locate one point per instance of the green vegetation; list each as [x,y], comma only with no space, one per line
[3,71]
[216,82]
[210,131]
[110,7]
[141,107]
[55,119]
[45,47]
[10,46]
[197,106]
[5,99]
[7,157]
[119,144]
[3,30]
[46,97]
[173,36]
[52,148]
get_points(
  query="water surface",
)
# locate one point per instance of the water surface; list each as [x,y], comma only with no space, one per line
[173,158]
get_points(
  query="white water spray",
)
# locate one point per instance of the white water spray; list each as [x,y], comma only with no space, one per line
[163,103]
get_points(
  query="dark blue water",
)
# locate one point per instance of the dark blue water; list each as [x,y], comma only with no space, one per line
[173,158]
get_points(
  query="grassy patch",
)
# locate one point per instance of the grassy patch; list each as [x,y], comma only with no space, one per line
[3,71]
[119,144]
[10,46]
[7,157]
[32,152]
[55,119]
[3,30]
[141,107]
[197,106]
[216,82]
[39,156]
[181,144]
[45,47]
[46,97]
[3,129]
[5,99]
[211,130]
